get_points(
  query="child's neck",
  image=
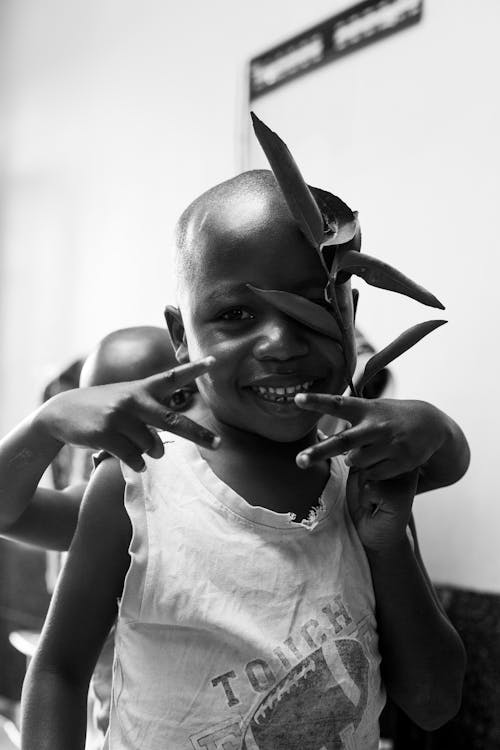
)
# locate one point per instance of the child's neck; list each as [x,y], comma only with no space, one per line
[264,472]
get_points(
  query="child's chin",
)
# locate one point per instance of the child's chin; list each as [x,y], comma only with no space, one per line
[281,431]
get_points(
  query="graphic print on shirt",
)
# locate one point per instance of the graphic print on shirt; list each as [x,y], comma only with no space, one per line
[317,705]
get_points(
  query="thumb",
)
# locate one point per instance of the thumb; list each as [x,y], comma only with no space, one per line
[354,495]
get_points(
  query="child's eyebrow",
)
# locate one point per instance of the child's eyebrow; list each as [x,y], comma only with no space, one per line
[306,288]
[225,290]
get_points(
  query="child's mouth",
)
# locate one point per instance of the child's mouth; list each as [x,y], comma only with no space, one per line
[281,394]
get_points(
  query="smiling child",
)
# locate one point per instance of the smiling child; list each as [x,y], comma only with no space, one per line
[259,605]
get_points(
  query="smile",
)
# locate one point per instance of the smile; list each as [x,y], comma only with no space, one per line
[281,394]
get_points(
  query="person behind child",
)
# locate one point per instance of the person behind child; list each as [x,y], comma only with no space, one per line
[50,518]
[247,604]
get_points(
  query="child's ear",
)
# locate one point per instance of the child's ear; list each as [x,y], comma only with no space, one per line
[175,327]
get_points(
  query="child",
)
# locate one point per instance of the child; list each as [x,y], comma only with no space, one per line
[247,604]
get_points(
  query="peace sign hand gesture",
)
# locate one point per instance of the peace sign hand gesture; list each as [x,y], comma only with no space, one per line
[120,418]
[386,437]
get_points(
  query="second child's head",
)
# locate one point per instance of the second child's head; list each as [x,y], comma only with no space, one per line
[238,233]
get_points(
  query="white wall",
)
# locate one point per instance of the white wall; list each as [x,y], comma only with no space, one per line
[406,131]
[115,114]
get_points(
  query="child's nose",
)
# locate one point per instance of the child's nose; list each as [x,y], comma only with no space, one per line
[280,338]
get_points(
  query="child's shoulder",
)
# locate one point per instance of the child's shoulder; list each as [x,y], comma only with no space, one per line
[105,488]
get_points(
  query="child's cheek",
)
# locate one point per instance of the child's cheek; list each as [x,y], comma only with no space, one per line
[332,352]
[225,367]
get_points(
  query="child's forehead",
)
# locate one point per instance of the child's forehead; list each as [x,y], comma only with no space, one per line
[244,232]
[250,251]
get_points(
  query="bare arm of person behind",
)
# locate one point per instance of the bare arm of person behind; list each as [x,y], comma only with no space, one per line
[115,418]
[82,610]
[35,515]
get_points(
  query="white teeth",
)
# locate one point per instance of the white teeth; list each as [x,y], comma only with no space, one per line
[281,394]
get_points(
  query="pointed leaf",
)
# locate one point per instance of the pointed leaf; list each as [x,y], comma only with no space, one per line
[397,347]
[300,201]
[343,304]
[303,310]
[355,300]
[342,223]
[382,275]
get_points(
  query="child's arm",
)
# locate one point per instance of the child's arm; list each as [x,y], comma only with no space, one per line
[28,513]
[82,611]
[389,437]
[49,520]
[110,417]
[423,659]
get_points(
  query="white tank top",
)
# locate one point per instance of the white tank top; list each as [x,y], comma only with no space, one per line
[239,627]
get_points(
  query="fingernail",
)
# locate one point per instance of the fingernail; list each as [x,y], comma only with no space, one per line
[300,398]
[143,468]
[208,361]
[303,461]
[215,442]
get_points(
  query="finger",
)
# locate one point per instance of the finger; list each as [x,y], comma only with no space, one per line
[367,455]
[181,425]
[393,493]
[136,432]
[162,418]
[354,495]
[349,408]
[124,450]
[382,470]
[157,449]
[336,445]
[165,383]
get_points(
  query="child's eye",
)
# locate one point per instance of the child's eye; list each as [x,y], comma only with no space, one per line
[236,313]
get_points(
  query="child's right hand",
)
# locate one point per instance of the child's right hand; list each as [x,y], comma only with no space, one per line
[119,418]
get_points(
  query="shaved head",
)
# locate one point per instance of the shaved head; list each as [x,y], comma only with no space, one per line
[248,202]
[243,204]
[129,354]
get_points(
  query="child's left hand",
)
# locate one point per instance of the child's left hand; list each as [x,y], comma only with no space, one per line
[387,437]
[381,510]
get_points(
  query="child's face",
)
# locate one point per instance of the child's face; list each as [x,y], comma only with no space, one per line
[263,356]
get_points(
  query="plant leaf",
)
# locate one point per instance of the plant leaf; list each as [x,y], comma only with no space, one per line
[399,346]
[299,198]
[382,275]
[303,310]
[355,300]
[343,306]
[342,223]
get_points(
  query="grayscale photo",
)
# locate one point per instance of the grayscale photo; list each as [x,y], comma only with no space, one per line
[247,316]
